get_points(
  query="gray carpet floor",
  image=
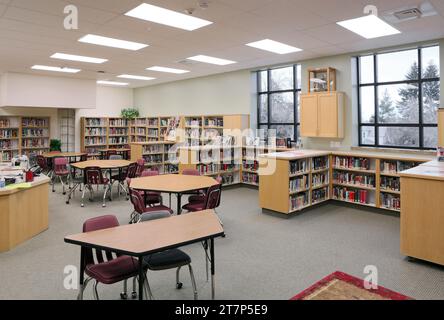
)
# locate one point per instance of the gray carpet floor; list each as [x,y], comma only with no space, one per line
[262,257]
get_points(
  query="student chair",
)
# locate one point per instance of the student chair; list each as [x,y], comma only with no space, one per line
[42,163]
[110,153]
[61,171]
[115,157]
[132,168]
[140,167]
[211,200]
[94,177]
[120,177]
[101,266]
[201,197]
[152,197]
[138,201]
[169,259]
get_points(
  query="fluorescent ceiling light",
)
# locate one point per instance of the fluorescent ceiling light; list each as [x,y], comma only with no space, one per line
[369,27]
[110,42]
[129,76]
[168,70]
[167,17]
[71,57]
[55,69]
[211,60]
[273,46]
[112,83]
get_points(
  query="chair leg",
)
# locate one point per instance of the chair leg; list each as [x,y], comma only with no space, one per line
[205,246]
[82,288]
[134,293]
[83,197]
[179,284]
[124,294]
[104,195]
[95,292]
[147,289]
[193,282]
[63,185]
[53,184]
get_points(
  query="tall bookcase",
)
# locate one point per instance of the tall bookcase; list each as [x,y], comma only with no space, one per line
[94,135]
[158,155]
[118,132]
[9,138]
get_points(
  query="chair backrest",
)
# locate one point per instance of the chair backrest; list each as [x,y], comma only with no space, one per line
[191,172]
[41,162]
[60,165]
[115,157]
[150,173]
[110,153]
[219,179]
[137,200]
[94,176]
[94,224]
[140,167]
[154,216]
[132,168]
[213,196]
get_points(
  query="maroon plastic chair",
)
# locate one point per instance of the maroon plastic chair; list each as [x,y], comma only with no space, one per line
[110,153]
[94,177]
[60,171]
[102,266]
[42,163]
[152,197]
[120,178]
[201,197]
[138,201]
[212,200]
[140,167]
[132,168]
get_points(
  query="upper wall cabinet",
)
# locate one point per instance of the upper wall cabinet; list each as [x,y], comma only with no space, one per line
[322,80]
[322,115]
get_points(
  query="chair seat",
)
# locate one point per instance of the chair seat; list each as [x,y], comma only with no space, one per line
[194,206]
[158,208]
[105,181]
[153,199]
[194,199]
[169,259]
[61,172]
[113,271]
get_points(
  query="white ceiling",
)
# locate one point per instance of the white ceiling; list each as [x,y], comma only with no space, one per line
[32,30]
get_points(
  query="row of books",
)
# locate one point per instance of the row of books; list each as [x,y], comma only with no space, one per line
[95,122]
[166,122]
[208,168]
[35,143]
[390,183]
[118,122]
[299,201]
[118,140]
[157,148]
[140,122]
[319,163]
[8,133]
[193,122]
[153,122]
[353,178]
[210,134]
[319,195]
[319,179]
[228,167]
[138,131]
[93,150]
[390,201]
[396,166]
[138,139]
[230,178]
[298,166]
[30,133]
[155,158]
[34,122]
[214,122]
[250,178]
[118,131]
[192,133]
[171,168]
[153,132]
[95,131]
[351,195]
[9,123]
[250,165]
[352,163]
[95,140]
[299,183]
[8,144]
[6,156]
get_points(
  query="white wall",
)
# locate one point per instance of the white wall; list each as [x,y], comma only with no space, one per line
[25,90]
[228,93]
[109,102]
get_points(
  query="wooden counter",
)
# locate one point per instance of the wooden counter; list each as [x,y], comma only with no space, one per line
[422,215]
[23,213]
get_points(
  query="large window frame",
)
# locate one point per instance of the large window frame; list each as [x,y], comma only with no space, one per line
[376,84]
[269,92]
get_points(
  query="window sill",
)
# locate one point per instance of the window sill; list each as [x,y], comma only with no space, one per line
[392,150]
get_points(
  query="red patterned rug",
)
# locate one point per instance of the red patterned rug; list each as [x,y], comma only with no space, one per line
[341,286]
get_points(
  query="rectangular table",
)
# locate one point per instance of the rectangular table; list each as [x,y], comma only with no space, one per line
[142,239]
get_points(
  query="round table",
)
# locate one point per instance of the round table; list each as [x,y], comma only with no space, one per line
[71,156]
[122,151]
[102,164]
[173,183]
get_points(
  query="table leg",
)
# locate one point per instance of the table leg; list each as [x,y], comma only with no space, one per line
[213,268]
[141,278]
[179,204]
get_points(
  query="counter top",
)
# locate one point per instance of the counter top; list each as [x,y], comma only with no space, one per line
[37,182]
[295,155]
[424,172]
[434,163]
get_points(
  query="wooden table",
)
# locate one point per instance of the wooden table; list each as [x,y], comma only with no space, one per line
[142,239]
[123,151]
[102,164]
[173,183]
[23,213]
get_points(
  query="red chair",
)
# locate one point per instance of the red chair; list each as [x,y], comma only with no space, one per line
[132,168]
[120,178]
[152,197]
[42,163]
[212,200]
[101,266]
[61,171]
[110,153]
[201,197]
[138,201]
[140,167]
[94,177]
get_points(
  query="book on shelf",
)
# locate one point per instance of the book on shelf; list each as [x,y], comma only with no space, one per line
[363,180]
[319,179]
[214,122]
[440,154]
[350,195]
[35,122]
[390,201]
[320,163]
[298,166]
[319,195]
[352,162]
[299,201]
[8,133]
[118,122]
[250,178]
[250,165]
[391,183]
[95,122]
[299,183]
[394,167]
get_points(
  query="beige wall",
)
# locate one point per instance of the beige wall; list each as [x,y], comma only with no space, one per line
[228,93]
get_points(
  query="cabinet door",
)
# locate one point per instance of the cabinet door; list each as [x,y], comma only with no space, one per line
[309,115]
[328,116]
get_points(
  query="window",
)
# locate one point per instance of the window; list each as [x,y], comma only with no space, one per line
[399,95]
[67,129]
[278,100]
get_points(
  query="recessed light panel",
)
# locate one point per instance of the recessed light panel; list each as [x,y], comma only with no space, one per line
[55,69]
[369,27]
[129,76]
[71,57]
[111,42]
[112,83]
[167,70]
[211,60]
[273,46]
[167,17]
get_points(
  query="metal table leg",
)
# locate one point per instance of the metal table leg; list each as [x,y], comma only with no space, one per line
[179,204]
[213,268]
[141,278]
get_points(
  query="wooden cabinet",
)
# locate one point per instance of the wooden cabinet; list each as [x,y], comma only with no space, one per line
[322,115]
[441,127]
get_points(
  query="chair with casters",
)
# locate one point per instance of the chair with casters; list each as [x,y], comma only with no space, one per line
[138,201]
[201,196]
[120,177]
[152,197]
[61,171]
[140,167]
[169,259]
[132,168]
[103,266]
[94,177]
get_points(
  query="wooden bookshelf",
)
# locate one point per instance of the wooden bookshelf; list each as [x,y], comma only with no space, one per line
[9,138]
[157,155]
[94,135]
